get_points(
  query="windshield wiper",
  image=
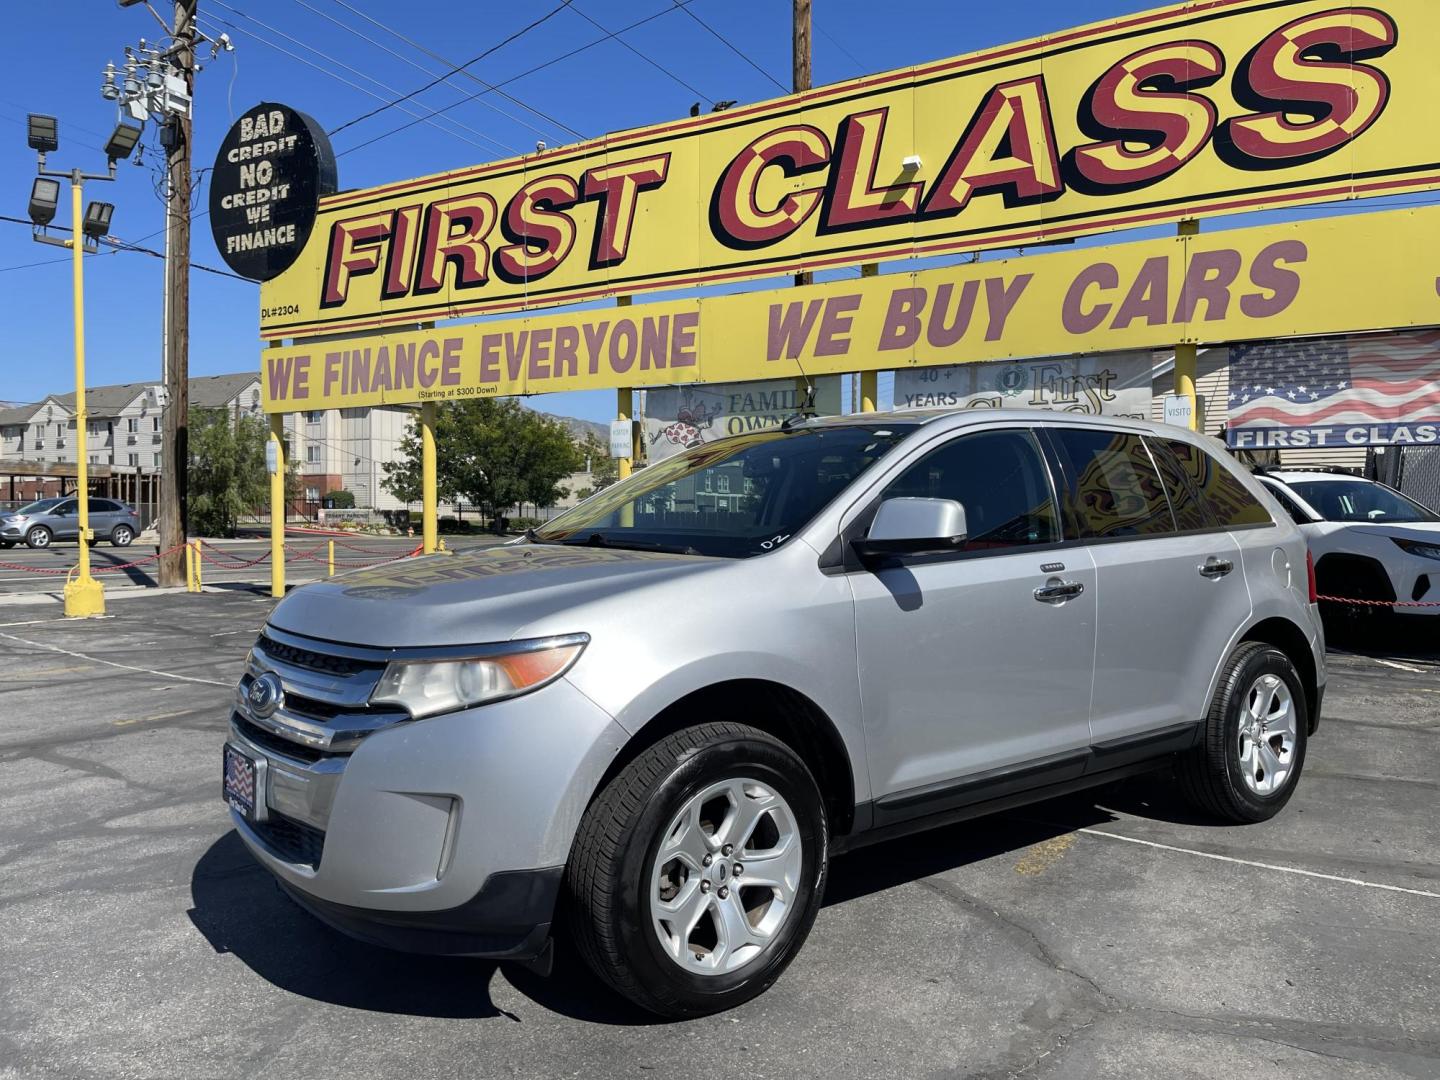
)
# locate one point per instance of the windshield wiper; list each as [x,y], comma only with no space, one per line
[600,541]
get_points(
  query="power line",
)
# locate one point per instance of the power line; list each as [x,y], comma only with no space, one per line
[653,63]
[726,42]
[836,42]
[116,244]
[560,124]
[469,63]
[517,78]
[221,21]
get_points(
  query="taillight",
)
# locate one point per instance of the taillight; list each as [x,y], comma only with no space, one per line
[1310,573]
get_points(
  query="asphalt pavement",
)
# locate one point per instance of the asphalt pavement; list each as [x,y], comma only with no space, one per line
[1111,935]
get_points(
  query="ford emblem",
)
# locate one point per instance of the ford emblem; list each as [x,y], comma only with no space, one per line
[266,694]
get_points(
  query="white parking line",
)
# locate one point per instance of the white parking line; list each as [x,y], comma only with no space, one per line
[1263,866]
[112,663]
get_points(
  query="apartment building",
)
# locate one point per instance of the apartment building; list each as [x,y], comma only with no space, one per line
[346,448]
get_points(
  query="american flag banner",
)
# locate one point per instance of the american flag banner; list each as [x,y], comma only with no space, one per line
[1359,390]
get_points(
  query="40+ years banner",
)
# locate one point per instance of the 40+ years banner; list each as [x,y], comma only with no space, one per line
[1340,275]
[1207,107]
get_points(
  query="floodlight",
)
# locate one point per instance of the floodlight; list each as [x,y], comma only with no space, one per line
[44,133]
[97,219]
[44,200]
[122,142]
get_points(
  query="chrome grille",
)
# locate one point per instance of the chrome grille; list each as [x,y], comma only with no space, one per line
[326,706]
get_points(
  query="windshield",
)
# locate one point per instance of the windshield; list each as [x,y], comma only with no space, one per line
[734,498]
[39,506]
[1348,500]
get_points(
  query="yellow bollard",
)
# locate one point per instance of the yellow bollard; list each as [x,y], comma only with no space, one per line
[189,567]
[199,573]
[277,504]
[330,558]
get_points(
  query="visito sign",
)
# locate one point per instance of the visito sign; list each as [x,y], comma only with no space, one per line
[1210,107]
[265,188]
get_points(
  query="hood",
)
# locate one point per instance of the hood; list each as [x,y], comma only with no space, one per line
[1426,532]
[471,598]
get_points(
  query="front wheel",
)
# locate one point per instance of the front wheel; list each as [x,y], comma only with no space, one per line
[38,537]
[122,536]
[698,870]
[1254,739]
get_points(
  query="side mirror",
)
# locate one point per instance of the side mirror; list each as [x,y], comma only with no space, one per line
[914,527]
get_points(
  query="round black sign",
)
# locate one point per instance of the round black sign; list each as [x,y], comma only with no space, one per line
[271,170]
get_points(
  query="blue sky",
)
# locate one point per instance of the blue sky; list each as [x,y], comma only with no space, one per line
[279,47]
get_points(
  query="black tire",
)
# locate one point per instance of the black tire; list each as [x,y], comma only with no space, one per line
[1210,775]
[615,849]
[38,537]
[122,536]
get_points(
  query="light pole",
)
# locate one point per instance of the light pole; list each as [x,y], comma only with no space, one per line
[84,596]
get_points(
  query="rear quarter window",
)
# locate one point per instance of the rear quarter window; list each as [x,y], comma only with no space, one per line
[1227,499]
[1111,488]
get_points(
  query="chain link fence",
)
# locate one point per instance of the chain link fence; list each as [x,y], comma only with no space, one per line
[1418,469]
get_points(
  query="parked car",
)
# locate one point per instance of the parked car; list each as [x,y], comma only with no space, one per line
[42,523]
[653,720]
[1369,541]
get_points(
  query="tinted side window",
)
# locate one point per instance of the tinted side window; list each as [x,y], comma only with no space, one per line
[1226,497]
[1185,504]
[1000,479]
[102,506]
[1111,486]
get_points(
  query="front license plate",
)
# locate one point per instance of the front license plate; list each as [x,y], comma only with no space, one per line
[240,787]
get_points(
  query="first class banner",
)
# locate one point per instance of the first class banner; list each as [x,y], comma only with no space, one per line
[1301,279]
[1203,108]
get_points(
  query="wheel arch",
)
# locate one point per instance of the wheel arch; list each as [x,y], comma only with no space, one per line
[774,708]
[1366,576]
[1291,640]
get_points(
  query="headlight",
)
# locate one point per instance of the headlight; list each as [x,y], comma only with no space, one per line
[429,687]
[1415,547]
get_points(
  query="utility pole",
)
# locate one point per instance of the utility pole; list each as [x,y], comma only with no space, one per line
[175,475]
[157,82]
[800,62]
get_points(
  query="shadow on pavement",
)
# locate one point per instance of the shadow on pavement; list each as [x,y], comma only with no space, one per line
[240,910]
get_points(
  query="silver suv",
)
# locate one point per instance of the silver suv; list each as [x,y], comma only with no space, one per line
[653,721]
[42,523]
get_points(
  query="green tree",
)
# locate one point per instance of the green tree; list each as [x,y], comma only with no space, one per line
[492,452]
[228,477]
[604,469]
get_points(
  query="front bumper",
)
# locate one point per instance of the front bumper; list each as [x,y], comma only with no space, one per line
[508,919]
[12,532]
[443,835]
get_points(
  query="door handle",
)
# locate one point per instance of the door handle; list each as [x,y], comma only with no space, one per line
[1058,592]
[1216,568]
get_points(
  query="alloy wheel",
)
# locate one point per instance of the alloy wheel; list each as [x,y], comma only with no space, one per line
[1267,737]
[726,876]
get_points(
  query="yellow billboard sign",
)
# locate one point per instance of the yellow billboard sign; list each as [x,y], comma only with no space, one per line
[1208,107]
[1347,274]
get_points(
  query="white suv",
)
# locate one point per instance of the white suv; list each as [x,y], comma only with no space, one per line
[1369,541]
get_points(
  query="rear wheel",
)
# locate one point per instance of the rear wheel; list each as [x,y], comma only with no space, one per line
[122,536]
[1247,767]
[38,537]
[698,871]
